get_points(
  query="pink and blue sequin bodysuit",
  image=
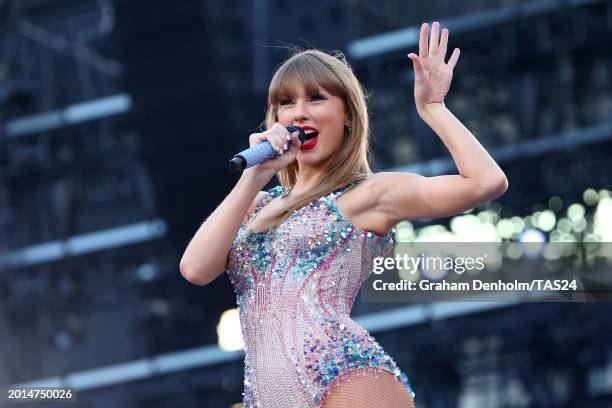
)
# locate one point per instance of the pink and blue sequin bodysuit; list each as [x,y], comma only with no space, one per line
[295,286]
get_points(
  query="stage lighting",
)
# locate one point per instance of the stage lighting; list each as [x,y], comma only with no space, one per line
[229,332]
[533,241]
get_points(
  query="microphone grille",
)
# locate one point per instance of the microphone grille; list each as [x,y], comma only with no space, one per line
[301,136]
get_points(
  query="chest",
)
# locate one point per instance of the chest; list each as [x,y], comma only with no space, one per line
[310,237]
[314,228]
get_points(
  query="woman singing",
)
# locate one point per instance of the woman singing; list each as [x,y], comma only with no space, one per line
[298,253]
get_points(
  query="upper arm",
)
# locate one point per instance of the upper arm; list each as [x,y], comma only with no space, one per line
[408,196]
[251,208]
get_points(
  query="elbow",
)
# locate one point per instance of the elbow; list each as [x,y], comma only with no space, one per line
[495,187]
[502,184]
[192,276]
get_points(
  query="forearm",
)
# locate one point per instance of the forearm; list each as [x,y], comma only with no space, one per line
[206,255]
[471,158]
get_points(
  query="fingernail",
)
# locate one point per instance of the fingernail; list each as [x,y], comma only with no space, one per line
[288,137]
[275,148]
[285,146]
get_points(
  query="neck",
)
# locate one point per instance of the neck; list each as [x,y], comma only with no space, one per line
[306,179]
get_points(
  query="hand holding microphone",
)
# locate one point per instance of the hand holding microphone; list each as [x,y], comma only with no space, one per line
[274,149]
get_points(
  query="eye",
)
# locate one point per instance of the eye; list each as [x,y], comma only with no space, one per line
[318,96]
[284,102]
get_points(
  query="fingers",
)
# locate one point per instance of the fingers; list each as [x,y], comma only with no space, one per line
[452,61]
[279,142]
[295,142]
[419,71]
[443,44]
[291,151]
[423,50]
[256,138]
[287,143]
[283,142]
[277,136]
[433,42]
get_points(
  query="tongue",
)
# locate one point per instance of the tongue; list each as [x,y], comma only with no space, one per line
[309,141]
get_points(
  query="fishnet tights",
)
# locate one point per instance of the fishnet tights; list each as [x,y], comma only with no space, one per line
[371,390]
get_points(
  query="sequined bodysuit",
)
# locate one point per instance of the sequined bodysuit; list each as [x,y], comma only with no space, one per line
[295,286]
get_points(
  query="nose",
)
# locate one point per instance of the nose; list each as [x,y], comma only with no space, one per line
[300,112]
[299,118]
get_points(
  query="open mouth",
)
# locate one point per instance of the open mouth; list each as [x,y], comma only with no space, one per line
[311,138]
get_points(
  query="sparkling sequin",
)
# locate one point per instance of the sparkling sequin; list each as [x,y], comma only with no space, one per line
[295,286]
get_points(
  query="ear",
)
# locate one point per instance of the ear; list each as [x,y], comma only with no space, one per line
[348,120]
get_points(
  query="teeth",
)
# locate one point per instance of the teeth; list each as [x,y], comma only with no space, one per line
[308,132]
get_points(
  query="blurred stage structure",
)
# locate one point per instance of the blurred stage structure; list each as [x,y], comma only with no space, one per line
[116,122]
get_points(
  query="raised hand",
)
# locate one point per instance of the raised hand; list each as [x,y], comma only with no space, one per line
[432,76]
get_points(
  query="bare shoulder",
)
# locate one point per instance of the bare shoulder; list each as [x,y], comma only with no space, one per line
[360,205]
[358,199]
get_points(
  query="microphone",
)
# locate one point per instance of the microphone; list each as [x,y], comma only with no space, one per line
[261,152]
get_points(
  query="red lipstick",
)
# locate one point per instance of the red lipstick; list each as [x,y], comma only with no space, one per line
[311,142]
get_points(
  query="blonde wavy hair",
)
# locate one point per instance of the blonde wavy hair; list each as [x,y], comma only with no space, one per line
[314,68]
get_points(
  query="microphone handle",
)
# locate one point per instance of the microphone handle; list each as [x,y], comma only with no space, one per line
[260,153]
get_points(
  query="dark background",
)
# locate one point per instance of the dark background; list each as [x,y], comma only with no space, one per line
[534,84]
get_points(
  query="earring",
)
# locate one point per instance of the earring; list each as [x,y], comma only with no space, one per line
[347,131]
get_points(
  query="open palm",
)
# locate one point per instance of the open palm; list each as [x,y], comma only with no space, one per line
[432,76]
